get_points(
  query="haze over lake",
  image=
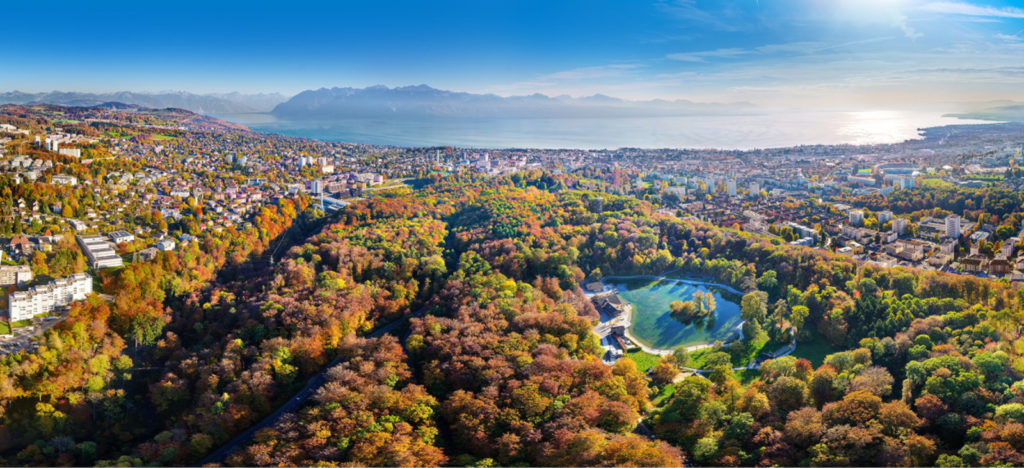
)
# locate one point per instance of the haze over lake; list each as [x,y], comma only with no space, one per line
[747,131]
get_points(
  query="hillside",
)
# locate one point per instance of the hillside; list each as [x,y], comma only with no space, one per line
[216,104]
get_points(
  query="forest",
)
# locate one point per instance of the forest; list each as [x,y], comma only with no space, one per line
[495,361]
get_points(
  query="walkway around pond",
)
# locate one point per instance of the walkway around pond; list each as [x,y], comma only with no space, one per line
[626,320]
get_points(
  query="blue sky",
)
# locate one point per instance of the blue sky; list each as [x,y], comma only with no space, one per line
[774,52]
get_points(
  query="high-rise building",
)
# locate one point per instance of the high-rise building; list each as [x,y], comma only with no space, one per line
[899,225]
[953,226]
[730,187]
[856,217]
[755,189]
[884,216]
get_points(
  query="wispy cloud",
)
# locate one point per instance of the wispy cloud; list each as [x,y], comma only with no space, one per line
[969,9]
[787,48]
[589,73]
[702,56]
[901,22]
[1011,37]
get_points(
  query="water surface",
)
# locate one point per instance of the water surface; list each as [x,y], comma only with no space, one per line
[747,131]
[652,318]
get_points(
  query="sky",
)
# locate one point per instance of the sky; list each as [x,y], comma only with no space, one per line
[825,53]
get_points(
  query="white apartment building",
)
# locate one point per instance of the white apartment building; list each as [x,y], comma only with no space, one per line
[43,299]
[884,216]
[899,226]
[856,217]
[953,226]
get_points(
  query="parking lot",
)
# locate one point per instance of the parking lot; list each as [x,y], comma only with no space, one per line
[26,337]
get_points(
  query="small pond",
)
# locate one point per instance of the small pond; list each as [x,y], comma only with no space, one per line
[652,318]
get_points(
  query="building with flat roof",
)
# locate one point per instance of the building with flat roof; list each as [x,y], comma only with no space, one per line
[23,305]
[953,226]
[856,217]
[121,237]
[15,275]
[899,225]
[99,252]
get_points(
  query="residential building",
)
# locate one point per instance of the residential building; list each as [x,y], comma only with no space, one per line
[64,179]
[953,226]
[121,237]
[15,275]
[43,299]
[899,226]
[884,216]
[856,217]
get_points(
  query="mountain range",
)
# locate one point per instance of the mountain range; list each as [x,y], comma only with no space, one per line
[216,104]
[424,101]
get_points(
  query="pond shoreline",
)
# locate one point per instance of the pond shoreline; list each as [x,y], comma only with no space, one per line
[625,320]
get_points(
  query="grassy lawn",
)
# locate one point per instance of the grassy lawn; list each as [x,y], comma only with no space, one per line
[698,358]
[815,349]
[663,395]
[643,360]
[5,328]
[747,376]
[935,183]
[22,323]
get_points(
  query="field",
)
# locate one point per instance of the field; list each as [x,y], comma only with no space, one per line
[643,360]
[814,350]
[935,183]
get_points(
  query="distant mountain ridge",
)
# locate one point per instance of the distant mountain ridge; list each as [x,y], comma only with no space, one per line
[218,104]
[425,101]
[1014,112]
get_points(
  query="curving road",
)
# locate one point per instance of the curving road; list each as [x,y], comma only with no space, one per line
[295,402]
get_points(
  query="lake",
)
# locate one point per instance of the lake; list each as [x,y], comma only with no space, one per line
[745,131]
[652,319]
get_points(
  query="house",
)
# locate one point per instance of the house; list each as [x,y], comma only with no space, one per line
[610,304]
[20,245]
[974,263]
[999,266]
[121,237]
[165,245]
[148,254]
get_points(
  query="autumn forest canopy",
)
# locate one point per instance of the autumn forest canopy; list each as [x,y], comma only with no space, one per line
[492,359]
